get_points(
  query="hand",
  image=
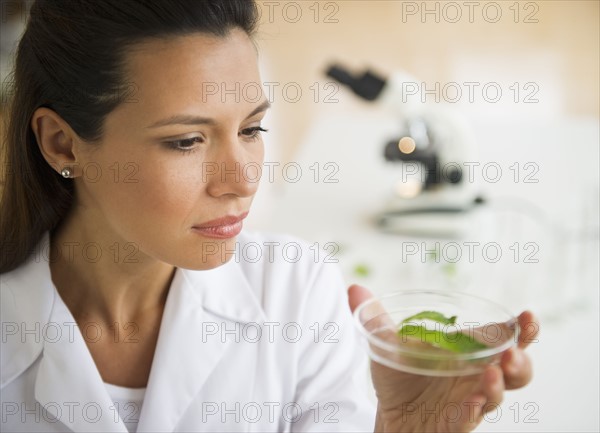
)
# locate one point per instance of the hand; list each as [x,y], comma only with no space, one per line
[416,403]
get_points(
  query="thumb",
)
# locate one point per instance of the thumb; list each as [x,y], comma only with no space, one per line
[357,295]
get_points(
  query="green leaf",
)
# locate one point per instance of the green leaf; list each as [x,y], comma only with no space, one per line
[450,269]
[455,342]
[362,270]
[434,316]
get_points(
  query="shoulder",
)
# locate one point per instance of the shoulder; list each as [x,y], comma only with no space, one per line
[283,252]
[284,269]
[283,255]
[26,300]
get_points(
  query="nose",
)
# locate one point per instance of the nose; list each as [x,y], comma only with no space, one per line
[234,168]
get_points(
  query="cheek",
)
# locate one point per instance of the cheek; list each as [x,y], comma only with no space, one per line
[154,207]
[258,153]
[138,192]
[161,191]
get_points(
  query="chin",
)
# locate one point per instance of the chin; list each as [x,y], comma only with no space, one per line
[212,254]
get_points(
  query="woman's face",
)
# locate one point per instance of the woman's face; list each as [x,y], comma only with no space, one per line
[183,151]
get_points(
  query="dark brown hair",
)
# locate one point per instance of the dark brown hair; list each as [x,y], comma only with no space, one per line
[71,60]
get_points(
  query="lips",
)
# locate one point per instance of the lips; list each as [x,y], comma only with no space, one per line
[221,228]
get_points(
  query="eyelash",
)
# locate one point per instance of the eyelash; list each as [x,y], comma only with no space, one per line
[252,133]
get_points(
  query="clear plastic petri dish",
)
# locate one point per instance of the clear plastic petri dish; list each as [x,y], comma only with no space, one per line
[493,328]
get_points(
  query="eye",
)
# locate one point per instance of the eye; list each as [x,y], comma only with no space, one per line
[184,145]
[254,132]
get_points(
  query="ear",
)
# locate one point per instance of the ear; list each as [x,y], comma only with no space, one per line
[56,140]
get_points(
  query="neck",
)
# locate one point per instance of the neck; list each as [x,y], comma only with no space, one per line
[100,275]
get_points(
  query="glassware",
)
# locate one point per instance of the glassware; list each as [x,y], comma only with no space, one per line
[490,326]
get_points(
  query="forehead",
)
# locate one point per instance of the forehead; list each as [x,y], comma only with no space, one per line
[181,69]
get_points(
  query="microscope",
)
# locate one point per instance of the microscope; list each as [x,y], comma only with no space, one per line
[432,150]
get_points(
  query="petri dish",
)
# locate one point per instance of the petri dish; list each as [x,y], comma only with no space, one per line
[490,325]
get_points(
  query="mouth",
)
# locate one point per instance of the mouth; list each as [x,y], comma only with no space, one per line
[221,228]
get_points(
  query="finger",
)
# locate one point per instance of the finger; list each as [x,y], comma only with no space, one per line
[487,399]
[517,368]
[357,295]
[472,414]
[493,388]
[530,327]
[373,317]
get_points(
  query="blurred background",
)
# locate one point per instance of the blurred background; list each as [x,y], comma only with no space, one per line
[553,43]
[493,189]
[528,209]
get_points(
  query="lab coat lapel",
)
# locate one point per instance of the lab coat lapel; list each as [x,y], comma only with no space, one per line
[184,358]
[26,299]
[68,384]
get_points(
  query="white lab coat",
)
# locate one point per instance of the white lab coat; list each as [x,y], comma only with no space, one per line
[212,370]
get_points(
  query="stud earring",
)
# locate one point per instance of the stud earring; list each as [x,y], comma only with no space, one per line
[66,173]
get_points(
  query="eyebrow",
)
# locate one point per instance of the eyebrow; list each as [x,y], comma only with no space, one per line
[185,119]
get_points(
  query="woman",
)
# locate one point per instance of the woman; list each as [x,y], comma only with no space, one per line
[127,301]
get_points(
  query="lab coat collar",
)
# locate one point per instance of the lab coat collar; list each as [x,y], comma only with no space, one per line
[183,360]
[68,384]
[224,291]
[186,353]
[26,299]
